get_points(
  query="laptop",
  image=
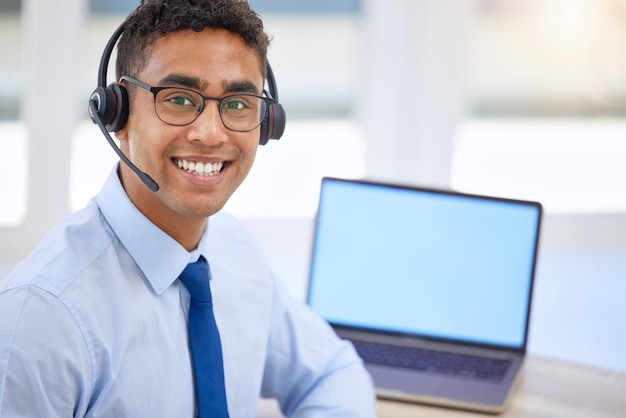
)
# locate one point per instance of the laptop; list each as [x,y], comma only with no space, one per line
[433,287]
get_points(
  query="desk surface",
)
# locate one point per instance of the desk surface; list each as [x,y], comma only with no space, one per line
[549,388]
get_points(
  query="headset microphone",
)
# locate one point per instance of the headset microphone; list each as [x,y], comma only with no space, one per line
[93,112]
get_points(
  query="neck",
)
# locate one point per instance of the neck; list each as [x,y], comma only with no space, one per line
[186,230]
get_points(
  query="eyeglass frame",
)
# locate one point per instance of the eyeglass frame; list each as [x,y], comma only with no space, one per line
[156,89]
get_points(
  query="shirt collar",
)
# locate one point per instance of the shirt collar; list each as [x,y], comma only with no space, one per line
[159,256]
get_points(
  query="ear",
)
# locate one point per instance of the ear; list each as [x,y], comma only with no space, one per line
[122,134]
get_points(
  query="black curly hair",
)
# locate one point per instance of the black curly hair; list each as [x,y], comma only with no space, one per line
[156,18]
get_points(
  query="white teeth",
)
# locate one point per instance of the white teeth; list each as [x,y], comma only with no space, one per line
[199,168]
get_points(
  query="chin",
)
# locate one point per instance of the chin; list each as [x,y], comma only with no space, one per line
[202,210]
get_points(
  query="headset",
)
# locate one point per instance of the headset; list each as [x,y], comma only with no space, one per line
[108,108]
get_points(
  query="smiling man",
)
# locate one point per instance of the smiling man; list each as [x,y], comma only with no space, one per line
[102,320]
[162,138]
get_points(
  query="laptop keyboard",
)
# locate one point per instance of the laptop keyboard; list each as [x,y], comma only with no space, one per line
[462,365]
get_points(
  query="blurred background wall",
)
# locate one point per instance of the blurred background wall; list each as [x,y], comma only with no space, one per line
[514,98]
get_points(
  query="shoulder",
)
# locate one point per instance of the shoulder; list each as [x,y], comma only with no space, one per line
[63,253]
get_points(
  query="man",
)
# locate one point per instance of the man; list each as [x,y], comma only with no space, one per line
[94,321]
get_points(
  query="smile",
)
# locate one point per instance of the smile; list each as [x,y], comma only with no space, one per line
[199,168]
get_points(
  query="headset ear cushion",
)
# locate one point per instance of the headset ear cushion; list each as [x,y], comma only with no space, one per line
[112,106]
[273,124]
[120,107]
[265,127]
[280,120]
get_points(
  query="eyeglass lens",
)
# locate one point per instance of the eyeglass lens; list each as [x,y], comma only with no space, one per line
[181,107]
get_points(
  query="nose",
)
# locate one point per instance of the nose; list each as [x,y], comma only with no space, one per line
[208,127]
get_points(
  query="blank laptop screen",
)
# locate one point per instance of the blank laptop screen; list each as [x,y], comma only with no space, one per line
[424,262]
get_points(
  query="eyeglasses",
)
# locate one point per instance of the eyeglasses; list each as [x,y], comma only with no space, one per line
[181,106]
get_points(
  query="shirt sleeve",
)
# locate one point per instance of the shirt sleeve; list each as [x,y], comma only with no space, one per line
[309,370]
[44,364]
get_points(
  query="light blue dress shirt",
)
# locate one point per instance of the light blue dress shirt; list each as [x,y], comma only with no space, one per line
[94,323]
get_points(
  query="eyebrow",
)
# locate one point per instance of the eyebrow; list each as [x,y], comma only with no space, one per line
[241,87]
[181,80]
[195,83]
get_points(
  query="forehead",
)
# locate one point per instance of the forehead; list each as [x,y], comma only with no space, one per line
[213,56]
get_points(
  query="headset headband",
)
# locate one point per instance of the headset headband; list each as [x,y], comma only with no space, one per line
[112,101]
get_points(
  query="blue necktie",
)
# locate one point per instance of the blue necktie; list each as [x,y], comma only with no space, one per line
[204,338]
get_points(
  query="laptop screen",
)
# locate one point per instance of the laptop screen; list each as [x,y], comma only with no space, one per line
[424,262]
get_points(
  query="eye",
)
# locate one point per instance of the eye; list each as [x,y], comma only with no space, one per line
[234,103]
[181,101]
[179,98]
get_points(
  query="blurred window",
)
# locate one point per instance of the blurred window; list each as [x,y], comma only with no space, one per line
[13,139]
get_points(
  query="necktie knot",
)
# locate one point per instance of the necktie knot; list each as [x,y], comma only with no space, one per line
[196,277]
